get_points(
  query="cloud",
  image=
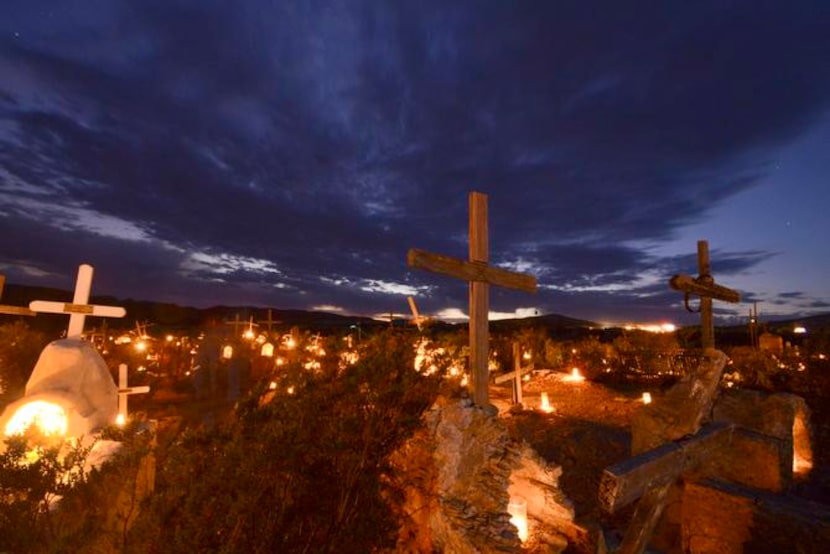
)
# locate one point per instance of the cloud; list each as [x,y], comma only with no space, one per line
[276,153]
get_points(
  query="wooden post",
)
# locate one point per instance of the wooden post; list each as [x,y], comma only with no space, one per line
[481,276]
[707,326]
[80,308]
[517,369]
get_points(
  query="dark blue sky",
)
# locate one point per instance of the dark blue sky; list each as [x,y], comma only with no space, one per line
[287,154]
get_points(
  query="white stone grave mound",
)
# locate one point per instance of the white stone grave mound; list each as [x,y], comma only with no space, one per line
[71,374]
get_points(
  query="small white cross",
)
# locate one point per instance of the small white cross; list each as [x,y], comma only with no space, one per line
[80,308]
[124,391]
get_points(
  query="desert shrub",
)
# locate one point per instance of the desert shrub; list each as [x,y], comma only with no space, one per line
[34,474]
[20,347]
[300,471]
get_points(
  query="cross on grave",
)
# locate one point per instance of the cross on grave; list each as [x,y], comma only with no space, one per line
[660,454]
[12,310]
[79,309]
[704,286]
[515,375]
[124,391]
[270,322]
[480,276]
[237,323]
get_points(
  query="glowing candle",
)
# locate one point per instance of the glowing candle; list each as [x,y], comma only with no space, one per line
[646,398]
[517,508]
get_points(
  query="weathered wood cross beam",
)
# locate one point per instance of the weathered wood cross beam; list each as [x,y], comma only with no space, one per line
[80,308]
[12,310]
[480,275]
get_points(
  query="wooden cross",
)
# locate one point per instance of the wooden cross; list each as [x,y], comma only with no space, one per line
[80,308]
[269,323]
[237,323]
[660,457]
[515,375]
[12,310]
[480,276]
[124,391]
[704,286]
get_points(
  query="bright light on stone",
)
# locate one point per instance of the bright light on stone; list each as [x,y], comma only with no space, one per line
[574,377]
[544,404]
[517,508]
[646,398]
[48,418]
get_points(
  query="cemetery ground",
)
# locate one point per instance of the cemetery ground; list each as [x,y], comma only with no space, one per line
[587,430]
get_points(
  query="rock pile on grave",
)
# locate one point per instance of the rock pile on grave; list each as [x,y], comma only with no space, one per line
[459,475]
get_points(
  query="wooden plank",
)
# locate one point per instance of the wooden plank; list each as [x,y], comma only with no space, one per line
[45,306]
[16,310]
[479,300]
[687,283]
[512,375]
[470,271]
[644,520]
[626,481]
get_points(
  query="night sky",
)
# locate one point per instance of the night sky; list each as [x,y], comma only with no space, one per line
[287,154]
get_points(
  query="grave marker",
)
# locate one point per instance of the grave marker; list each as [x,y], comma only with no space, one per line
[79,309]
[515,375]
[660,459]
[270,322]
[124,391]
[480,275]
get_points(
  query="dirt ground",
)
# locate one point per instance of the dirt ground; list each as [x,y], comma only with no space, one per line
[589,430]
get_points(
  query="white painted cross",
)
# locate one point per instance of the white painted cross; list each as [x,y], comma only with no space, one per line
[480,276]
[79,309]
[124,391]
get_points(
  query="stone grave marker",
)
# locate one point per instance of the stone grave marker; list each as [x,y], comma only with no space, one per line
[480,276]
[80,308]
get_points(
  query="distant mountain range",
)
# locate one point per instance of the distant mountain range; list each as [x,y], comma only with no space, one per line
[167,316]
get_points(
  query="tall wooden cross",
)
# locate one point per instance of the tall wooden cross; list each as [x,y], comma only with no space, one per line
[704,286]
[656,467]
[12,310]
[480,276]
[80,308]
